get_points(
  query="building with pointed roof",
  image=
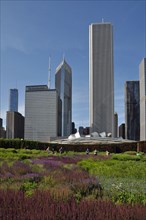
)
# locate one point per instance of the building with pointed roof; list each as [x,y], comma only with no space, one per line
[63,85]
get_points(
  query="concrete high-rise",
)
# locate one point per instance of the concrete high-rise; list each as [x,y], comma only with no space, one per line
[13,100]
[132,110]
[142,76]
[41,113]
[101,78]
[63,85]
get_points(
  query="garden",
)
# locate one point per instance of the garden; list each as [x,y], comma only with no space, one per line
[35,184]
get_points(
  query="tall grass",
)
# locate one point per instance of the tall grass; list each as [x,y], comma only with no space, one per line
[42,205]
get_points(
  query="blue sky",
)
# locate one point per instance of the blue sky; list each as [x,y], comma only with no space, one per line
[31,31]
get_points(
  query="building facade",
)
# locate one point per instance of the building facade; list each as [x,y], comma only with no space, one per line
[2,130]
[74,130]
[63,85]
[13,100]
[1,122]
[41,113]
[122,130]
[14,125]
[142,76]
[132,110]
[115,125]
[101,78]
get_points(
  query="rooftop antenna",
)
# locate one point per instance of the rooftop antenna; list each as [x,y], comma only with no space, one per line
[49,74]
[63,57]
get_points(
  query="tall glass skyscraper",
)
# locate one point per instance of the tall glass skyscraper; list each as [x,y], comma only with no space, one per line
[101,78]
[63,85]
[13,100]
[132,110]
[142,75]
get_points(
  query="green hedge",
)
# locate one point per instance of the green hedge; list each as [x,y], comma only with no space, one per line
[18,144]
[112,148]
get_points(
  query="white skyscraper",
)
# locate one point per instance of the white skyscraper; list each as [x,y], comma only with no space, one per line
[63,85]
[101,78]
[142,76]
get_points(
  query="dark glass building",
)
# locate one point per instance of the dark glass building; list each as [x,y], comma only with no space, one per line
[63,85]
[2,130]
[1,122]
[132,110]
[122,130]
[13,100]
[14,125]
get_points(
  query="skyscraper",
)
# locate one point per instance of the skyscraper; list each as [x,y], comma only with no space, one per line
[132,110]
[14,125]
[63,85]
[13,100]
[1,122]
[142,76]
[122,130]
[2,130]
[41,113]
[115,125]
[101,78]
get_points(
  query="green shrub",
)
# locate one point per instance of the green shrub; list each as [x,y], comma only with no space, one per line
[130,152]
[22,144]
[125,157]
[28,187]
[115,168]
[125,190]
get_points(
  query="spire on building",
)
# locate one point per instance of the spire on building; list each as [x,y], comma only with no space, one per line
[49,74]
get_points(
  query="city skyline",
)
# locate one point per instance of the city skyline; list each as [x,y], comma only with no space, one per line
[33,31]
